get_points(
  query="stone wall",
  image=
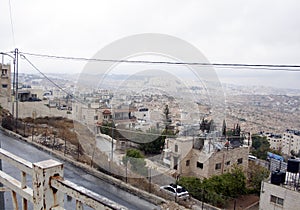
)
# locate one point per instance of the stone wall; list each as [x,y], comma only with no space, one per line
[225,158]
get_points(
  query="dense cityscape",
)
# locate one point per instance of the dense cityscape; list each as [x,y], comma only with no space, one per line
[169,139]
[153,105]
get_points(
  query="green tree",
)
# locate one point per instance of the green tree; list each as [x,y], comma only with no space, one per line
[136,160]
[256,174]
[260,146]
[207,126]
[167,119]
[217,189]
[107,128]
[152,142]
[224,128]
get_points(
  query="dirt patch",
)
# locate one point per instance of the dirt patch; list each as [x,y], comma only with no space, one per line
[243,202]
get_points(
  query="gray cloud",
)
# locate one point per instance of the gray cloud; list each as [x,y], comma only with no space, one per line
[225,31]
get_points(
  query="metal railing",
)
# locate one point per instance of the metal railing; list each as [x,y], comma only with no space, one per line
[48,186]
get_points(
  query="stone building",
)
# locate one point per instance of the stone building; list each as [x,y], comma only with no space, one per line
[203,158]
[290,141]
[5,82]
[284,195]
[275,140]
[201,164]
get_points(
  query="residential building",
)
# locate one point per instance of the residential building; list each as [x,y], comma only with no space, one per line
[86,114]
[281,191]
[217,162]
[203,157]
[290,141]
[176,149]
[278,197]
[275,140]
[5,81]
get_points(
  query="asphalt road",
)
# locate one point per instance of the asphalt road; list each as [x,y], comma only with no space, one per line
[71,173]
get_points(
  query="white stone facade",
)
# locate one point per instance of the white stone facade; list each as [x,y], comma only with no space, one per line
[278,197]
[291,141]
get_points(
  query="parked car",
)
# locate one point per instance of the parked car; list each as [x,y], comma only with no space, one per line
[252,157]
[175,190]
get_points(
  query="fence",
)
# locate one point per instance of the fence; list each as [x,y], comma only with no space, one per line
[48,186]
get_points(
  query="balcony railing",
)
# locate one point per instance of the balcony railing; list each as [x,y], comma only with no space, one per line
[48,186]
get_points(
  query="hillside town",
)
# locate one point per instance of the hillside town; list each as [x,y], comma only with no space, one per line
[173,142]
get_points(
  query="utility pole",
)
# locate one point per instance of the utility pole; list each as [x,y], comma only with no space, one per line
[2,201]
[112,141]
[14,82]
[17,85]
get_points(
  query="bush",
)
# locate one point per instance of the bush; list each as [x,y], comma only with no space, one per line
[136,160]
[216,190]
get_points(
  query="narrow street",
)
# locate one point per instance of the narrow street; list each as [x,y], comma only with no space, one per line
[71,173]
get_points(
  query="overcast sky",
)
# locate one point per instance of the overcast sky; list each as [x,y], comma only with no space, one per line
[225,31]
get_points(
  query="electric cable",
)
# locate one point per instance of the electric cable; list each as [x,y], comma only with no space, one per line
[11,23]
[278,67]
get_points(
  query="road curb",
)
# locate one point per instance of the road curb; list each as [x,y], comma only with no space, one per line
[122,185]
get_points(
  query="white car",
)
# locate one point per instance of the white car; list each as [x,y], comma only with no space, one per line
[175,190]
[252,157]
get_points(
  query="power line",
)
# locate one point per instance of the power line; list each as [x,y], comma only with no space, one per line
[103,126]
[11,23]
[294,69]
[44,75]
[50,80]
[278,67]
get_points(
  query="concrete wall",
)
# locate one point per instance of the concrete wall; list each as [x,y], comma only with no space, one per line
[179,148]
[290,198]
[226,159]
[290,142]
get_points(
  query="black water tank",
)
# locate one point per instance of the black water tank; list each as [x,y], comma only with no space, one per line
[276,178]
[282,173]
[293,166]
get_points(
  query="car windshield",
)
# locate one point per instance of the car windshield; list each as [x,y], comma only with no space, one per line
[181,190]
[170,189]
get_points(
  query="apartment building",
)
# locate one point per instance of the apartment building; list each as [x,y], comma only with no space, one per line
[281,191]
[290,141]
[203,157]
[278,197]
[275,140]
[5,82]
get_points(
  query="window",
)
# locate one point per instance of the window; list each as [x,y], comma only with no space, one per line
[187,163]
[280,201]
[276,200]
[227,163]
[240,161]
[96,117]
[176,148]
[218,166]
[4,85]
[170,189]
[199,165]
[4,72]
